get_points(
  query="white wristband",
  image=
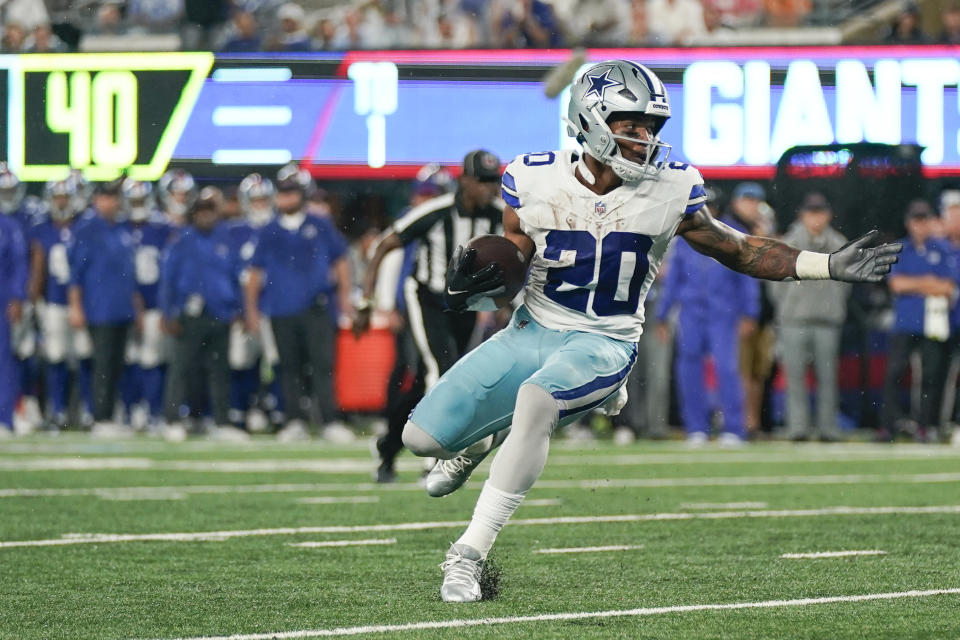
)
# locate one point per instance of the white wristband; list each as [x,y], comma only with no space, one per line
[813,266]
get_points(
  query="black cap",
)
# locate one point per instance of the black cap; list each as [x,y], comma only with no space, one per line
[920,209]
[111,188]
[482,165]
[815,202]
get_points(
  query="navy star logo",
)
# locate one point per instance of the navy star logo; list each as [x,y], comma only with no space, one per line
[600,83]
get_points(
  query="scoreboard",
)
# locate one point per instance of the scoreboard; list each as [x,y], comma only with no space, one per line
[383,114]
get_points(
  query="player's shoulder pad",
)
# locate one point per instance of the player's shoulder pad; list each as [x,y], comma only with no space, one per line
[529,175]
[687,182]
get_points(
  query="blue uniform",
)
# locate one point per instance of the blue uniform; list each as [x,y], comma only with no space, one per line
[297,264]
[932,259]
[199,276]
[55,242]
[149,240]
[712,301]
[102,264]
[13,284]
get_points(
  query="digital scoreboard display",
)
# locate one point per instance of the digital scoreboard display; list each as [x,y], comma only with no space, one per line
[384,114]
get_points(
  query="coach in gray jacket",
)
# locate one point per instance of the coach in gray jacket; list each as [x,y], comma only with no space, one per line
[810,316]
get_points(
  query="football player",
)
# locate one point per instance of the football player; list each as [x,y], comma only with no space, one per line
[594,227]
[63,345]
[148,347]
[246,349]
[177,193]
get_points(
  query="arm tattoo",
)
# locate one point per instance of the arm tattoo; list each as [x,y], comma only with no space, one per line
[753,255]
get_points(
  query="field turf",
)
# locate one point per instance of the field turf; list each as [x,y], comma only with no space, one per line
[147,540]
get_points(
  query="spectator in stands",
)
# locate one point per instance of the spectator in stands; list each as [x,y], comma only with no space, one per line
[44,40]
[680,22]
[810,316]
[922,286]
[734,13]
[14,38]
[906,27]
[26,13]
[324,34]
[200,297]
[451,31]
[156,16]
[951,24]
[244,34]
[201,19]
[300,264]
[101,297]
[640,31]
[600,23]
[291,35]
[527,24]
[786,13]
[109,20]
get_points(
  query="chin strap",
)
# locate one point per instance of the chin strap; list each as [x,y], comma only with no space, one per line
[584,171]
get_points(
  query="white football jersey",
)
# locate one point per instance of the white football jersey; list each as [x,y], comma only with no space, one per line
[596,256]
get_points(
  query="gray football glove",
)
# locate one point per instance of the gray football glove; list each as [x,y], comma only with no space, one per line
[857,262]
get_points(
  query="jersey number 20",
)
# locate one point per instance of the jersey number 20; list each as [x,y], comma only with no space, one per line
[570,286]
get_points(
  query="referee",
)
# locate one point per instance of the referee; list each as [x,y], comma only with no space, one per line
[439,225]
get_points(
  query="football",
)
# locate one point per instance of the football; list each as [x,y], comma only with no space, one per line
[497,249]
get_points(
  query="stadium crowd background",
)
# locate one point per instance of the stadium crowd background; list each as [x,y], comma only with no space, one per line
[38,26]
[767,355]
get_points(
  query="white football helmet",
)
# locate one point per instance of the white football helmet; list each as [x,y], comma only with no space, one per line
[256,199]
[12,190]
[138,199]
[61,199]
[618,86]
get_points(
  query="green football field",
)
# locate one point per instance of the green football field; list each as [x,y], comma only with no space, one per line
[148,540]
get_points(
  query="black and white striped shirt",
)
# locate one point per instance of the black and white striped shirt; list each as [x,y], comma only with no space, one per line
[441,225]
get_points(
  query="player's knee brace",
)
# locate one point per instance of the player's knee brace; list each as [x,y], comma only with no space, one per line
[423,444]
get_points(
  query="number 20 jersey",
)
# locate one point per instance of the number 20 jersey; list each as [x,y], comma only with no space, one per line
[596,256]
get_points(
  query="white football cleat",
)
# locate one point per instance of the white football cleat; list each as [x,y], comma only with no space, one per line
[295,431]
[697,439]
[337,433]
[729,440]
[228,433]
[110,431]
[461,574]
[174,432]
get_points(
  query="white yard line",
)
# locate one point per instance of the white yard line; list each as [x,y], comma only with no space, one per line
[583,615]
[339,500]
[612,547]
[205,536]
[342,543]
[622,483]
[834,554]
[544,502]
[364,465]
[723,505]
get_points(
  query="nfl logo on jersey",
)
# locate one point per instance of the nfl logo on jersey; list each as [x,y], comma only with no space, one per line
[600,207]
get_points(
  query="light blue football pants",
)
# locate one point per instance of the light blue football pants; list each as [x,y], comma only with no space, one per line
[476,397]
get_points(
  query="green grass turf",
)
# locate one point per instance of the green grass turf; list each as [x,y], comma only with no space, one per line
[262,585]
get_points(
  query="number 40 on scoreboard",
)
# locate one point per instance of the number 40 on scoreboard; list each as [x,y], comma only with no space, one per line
[101,113]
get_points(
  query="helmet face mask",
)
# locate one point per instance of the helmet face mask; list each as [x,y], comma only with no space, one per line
[256,199]
[61,199]
[12,191]
[619,87]
[137,199]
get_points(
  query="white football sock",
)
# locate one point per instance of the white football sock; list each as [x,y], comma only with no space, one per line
[494,508]
[516,467]
[523,455]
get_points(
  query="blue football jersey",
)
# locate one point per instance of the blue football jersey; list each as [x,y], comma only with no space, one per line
[55,242]
[149,241]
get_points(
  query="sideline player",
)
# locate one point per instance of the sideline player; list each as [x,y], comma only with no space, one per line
[595,227]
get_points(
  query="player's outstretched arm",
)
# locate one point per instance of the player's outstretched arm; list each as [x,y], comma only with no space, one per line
[771,259]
